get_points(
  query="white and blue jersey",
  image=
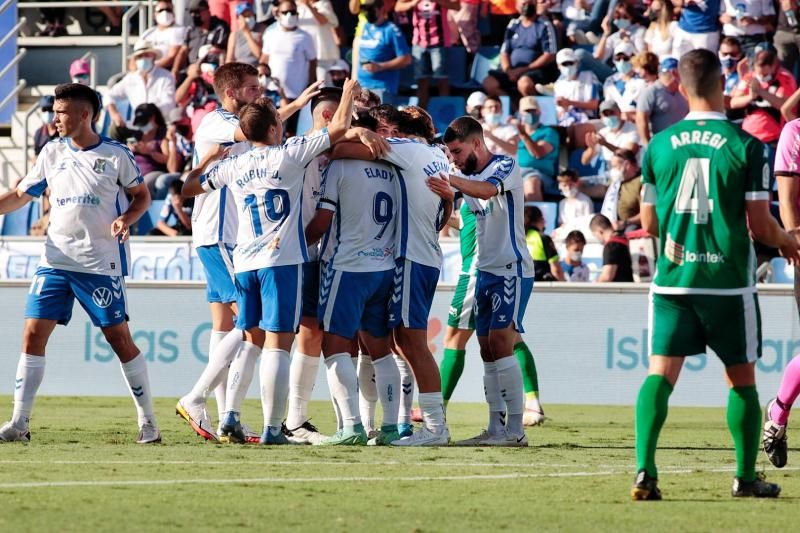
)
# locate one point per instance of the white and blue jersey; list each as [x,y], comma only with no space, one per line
[356,287]
[81,258]
[312,191]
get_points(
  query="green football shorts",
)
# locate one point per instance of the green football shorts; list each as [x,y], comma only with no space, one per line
[462,307]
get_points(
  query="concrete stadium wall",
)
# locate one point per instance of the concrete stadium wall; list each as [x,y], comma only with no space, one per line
[589,342]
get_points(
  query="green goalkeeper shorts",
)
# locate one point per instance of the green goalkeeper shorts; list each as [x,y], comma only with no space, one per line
[685,324]
[462,308]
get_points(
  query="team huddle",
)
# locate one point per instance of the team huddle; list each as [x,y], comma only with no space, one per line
[328,243]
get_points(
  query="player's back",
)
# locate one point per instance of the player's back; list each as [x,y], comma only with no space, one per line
[362,235]
[704,169]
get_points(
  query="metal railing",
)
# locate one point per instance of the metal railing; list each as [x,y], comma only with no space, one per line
[91,57]
[13,31]
[13,94]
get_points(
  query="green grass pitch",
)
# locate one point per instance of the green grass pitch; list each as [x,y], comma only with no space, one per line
[82,472]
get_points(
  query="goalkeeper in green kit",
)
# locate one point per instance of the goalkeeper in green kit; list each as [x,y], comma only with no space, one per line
[704,185]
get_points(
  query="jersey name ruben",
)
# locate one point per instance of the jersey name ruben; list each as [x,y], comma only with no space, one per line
[267,186]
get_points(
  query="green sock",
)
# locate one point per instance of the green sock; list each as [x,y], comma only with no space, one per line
[744,423]
[651,412]
[451,368]
[530,380]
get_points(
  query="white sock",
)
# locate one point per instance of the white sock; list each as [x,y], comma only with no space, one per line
[135,373]
[222,387]
[509,377]
[343,382]
[302,376]
[367,391]
[274,377]
[222,349]
[387,381]
[407,384]
[432,405]
[533,404]
[338,413]
[497,407]
[30,371]
[241,376]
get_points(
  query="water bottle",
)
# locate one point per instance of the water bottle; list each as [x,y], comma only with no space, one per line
[791,18]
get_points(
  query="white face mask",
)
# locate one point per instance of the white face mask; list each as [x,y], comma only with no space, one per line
[207,68]
[83,80]
[164,18]
[147,128]
[263,81]
[289,21]
[251,22]
[569,192]
[575,257]
[764,79]
[568,72]
[144,64]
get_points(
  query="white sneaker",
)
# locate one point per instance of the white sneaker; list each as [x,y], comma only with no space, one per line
[197,417]
[532,417]
[10,433]
[545,90]
[425,437]
[149,433]
[507,440]
[477,440]
[307,433]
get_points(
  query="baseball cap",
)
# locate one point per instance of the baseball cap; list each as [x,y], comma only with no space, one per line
[241,7]
[625,48]
[528,103]
[668,64]
[142,115]
[565,55]
[609,105]
[46,102]
[79,67]
[340,65]
[476,99]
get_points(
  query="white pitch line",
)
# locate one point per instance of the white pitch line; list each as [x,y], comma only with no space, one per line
[234,461]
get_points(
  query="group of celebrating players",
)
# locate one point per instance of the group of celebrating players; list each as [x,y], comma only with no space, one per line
[334,236]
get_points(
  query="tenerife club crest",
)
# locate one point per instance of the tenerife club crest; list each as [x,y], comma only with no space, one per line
[100,166]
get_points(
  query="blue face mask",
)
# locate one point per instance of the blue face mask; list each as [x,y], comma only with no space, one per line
[623,67]
[530,119]
[144,64]
[622,24]
[611,122]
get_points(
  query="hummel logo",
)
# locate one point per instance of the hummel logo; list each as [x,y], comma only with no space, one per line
[18,384]
[503,393]
[407,388]
[138,391]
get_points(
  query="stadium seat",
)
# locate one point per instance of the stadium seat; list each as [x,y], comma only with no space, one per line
[505,104]
[456,65]
[124,108]
[443,109]
[487,58]
[550,213]
[17,223]
[150,218]
[584,170]
[305,122]
[782,271]
[401,101]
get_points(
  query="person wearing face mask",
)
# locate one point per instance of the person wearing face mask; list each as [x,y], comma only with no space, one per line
[48,131]
[319,20]
[761,93]
[698,26]
[196,93]
[148,129]
[575,205]
[546,265]
[623,86]
[337,73]
[576,92]
[500,138]
[573,265]
[660,105]
[622,203]
[382,51]
[475,102]
[730,55]
[148,83]
[747,20]
[244,45]
[204,28]
[537,152]
[660,33]
[628,30]
[616,133]
[79,72]
[165,36]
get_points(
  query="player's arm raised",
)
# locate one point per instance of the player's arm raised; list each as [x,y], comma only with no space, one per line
[193,186]
[341,120]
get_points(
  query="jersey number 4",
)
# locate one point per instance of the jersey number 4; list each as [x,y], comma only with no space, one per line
[693,190]
[276,208]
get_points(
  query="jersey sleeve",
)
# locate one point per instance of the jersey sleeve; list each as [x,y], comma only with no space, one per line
[35,182]
[399,42]
[129,174]
[787,154]
[505,175]
[758,175]
[303,149]
[649,195]
[218,176]
[329,199]
[401,153]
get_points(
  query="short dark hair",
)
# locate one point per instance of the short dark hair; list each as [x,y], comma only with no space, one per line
[230,76]
[416,121]
[569,174]
[600,222]
[532,215]
[79,93]
[461,129]
[256,117]
[765,57]
[365,120]
[385,113]
[575,237]
[699,71]
[326,94]
[731,41]
[627,155]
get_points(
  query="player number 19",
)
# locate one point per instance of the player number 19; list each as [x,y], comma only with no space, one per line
[276,207]
[693,190]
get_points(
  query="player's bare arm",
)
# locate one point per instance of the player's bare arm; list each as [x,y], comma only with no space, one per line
[140,201]
[192,186]
[318,226]
[300,102]
[13,200]
[441,186]
[483,190]
[377,145]
[766,230]
[649,219]
[341,120]
[352,150]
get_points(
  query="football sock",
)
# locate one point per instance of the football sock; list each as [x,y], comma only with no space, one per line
[387,380]
[240,376]
[222,349]
[787,393]
[432,406]
[135,373]
[274,376]
[407,384]
[302,376]
[744,423]
[509,377]
[497,406]
[530,379]
[451,369]
[221,388]
[30,371]
[651,412]
[343,382]
[367,391]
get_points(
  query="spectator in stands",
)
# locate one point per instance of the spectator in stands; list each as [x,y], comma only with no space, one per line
[546,265]
[528,54]
[616,134]
[382,51]
[575,204]
[245,44]
[628,31]
[317,18]
[80,71]
[576,92]
[698,26]
[474,107]
[617,264]
[204,29]
[501,13]
[660,34]
[537,152]
[147,84]
[747,20]
[787,36]
[176,216]
[178,147]
[338,73]
[573,267]
[53,19]
[660,105]
[730,55]
[166,36]
[145,141]
[226,11]
[761,93]
[621,204]
[431,37]
[196,93]
[465,21]
[47,132]
[501,137]
[645,67]
[623,86]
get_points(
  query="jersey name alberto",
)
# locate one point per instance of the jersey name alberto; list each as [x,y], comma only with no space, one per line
[214,218]
[500,223]
[699,174]
[362,235]
[267,186]
[420,210]
[86,196]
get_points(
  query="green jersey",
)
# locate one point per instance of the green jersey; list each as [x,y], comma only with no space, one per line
[467,239]
[699,174]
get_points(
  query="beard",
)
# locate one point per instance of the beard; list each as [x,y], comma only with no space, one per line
[470,166]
